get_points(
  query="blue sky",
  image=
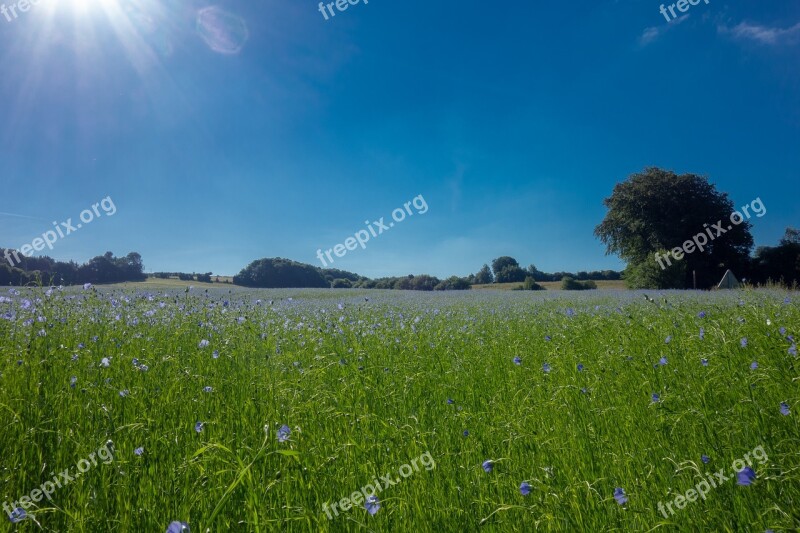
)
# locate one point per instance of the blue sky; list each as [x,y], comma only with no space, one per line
[233,131]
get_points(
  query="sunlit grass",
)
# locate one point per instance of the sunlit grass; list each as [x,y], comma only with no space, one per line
[364,390]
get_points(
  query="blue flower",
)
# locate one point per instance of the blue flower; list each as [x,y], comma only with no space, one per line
[450,401]
[525,488]
[207,389]
[704,362]
[619,495]
[283,433]
[105,362]
[655,397]
[785,409]
[17,515]
[488,466]
[372,504]
[124,393]
[215,354]
[782,331]
[202,344]
[546,368]
[793,350]
[570,311]
[73,381]
[746,476]
[580,367]
[139,451]
[668,339]
[178,527]
[466,433]
[198,427]
[706,459]
[547,338]
[753,365]
[662,361]
[743,342]
[87,286]
[517,361]
[701,314]
[702,333]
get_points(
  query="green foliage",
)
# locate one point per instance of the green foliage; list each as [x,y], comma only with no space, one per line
[531,285]
[332,274]
[507,270]
[101,269]
[779,263]
[484,276]
[341,284]
[649,275]
[570,284]
[658,209]
[453,283]
[280,273]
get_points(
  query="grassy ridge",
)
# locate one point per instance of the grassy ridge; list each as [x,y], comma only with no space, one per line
[365,388]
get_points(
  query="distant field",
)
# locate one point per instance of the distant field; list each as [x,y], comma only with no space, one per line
[552,285]
[172,283]
[485,410]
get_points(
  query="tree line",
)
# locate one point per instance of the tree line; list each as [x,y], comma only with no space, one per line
[46,271]
[285,273]
[648,214]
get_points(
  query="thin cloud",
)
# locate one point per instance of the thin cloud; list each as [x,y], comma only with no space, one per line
[763,34]
[655,32]
[19,216]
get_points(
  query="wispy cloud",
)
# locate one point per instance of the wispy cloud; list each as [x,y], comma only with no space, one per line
[655,32]
[763,34]
[19,216]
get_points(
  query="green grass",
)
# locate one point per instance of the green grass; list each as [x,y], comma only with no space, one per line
[364,390]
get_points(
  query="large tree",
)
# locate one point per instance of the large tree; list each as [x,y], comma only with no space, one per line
[658,209]
[506,270]
[484,276]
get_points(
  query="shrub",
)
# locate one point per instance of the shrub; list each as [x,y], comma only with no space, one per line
[570,284]
[531,285]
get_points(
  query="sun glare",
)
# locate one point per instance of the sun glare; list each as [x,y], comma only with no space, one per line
[89,5]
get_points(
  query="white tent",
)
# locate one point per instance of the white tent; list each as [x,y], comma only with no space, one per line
[728,281]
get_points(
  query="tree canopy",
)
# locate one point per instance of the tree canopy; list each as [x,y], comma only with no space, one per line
[658,209]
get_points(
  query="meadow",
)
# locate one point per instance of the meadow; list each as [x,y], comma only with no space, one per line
[256,410]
